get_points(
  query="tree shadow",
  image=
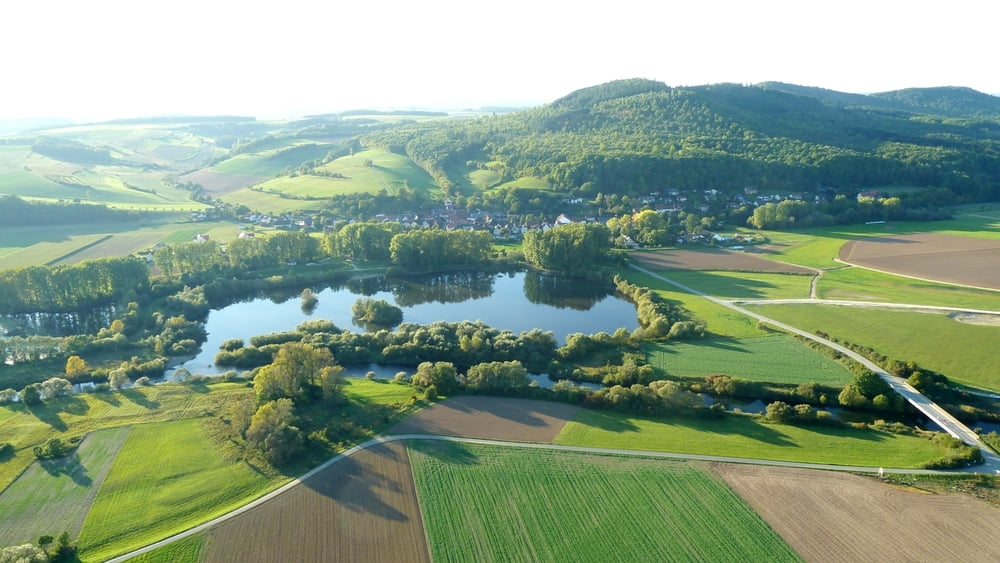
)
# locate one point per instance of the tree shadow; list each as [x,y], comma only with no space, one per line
[108,397]
[609,422]
[69,466]
[445,451]
[139,398]
[356,486]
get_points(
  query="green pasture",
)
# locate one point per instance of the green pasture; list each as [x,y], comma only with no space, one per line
[743,285]
[743,436]
[53,496]
[188,550]
[858,284]
[964,352]
[721,321]
[165,477]
[270,162]
[12,157]
[75,416]
[483,503]
[26,183]
[395,171]
[483,179]
[378,392]
[776,359]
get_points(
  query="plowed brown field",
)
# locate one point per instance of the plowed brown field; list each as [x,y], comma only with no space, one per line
[713,259]
[492,418]
[828,516]
[961,260]
[362,508]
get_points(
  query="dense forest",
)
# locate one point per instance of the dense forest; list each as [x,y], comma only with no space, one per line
[633,137]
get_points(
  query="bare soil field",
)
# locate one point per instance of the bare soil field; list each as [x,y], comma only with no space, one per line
[713,259]
[829,516]
[362,508]
[960,260]
[493,418]
[218,184]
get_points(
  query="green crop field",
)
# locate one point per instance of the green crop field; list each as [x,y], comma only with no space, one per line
[53,496]
[166,477]
[507,504]
[964,352]
[776,359]
[271,162]
[743,436]
[744,285]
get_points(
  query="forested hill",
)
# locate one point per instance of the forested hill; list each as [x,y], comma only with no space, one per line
[636,136]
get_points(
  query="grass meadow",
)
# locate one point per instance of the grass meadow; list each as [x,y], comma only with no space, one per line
[506,504]
[721,321]
[964,352]
[776,359]
[64,487]
[744,285]
[858,284]
[166,476]
[188,550]
[271,162]
[77,415]
[743,436]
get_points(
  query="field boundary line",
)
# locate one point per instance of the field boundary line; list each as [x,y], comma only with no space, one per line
[76,251]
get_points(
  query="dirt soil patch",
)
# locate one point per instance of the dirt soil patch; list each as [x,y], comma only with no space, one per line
[713,259]
[493,418]
[960,260]
[218,184]
[362,508]
[830,516]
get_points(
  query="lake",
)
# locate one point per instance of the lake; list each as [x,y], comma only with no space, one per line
[515,301]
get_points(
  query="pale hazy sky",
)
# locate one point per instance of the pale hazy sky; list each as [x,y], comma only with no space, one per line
[101,59]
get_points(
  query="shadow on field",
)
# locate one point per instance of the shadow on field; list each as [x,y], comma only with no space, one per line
[607,423]
[49,412]
[108,397]
[69,466]
[138,398]
[455,453]
[357,487]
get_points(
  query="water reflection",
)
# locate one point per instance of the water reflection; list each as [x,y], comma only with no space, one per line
[57,324]
[559,291]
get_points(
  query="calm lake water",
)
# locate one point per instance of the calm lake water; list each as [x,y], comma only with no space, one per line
[518,301]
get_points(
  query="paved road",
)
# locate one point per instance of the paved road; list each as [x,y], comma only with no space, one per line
[934,412]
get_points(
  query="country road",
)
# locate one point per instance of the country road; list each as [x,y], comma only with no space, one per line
[946,421]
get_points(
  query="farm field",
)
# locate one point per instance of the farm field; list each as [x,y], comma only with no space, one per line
[495,418]
[858,284]
[504,504]
[742,436]
[361,508]
[69,244]
[167,475]
[814,511]
[964,352]
[775,359]
[709,258]
[64,487]
[960,260]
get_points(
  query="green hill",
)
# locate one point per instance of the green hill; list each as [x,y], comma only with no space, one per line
[636,136]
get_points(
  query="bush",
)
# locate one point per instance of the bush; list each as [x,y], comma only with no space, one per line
[431,393]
